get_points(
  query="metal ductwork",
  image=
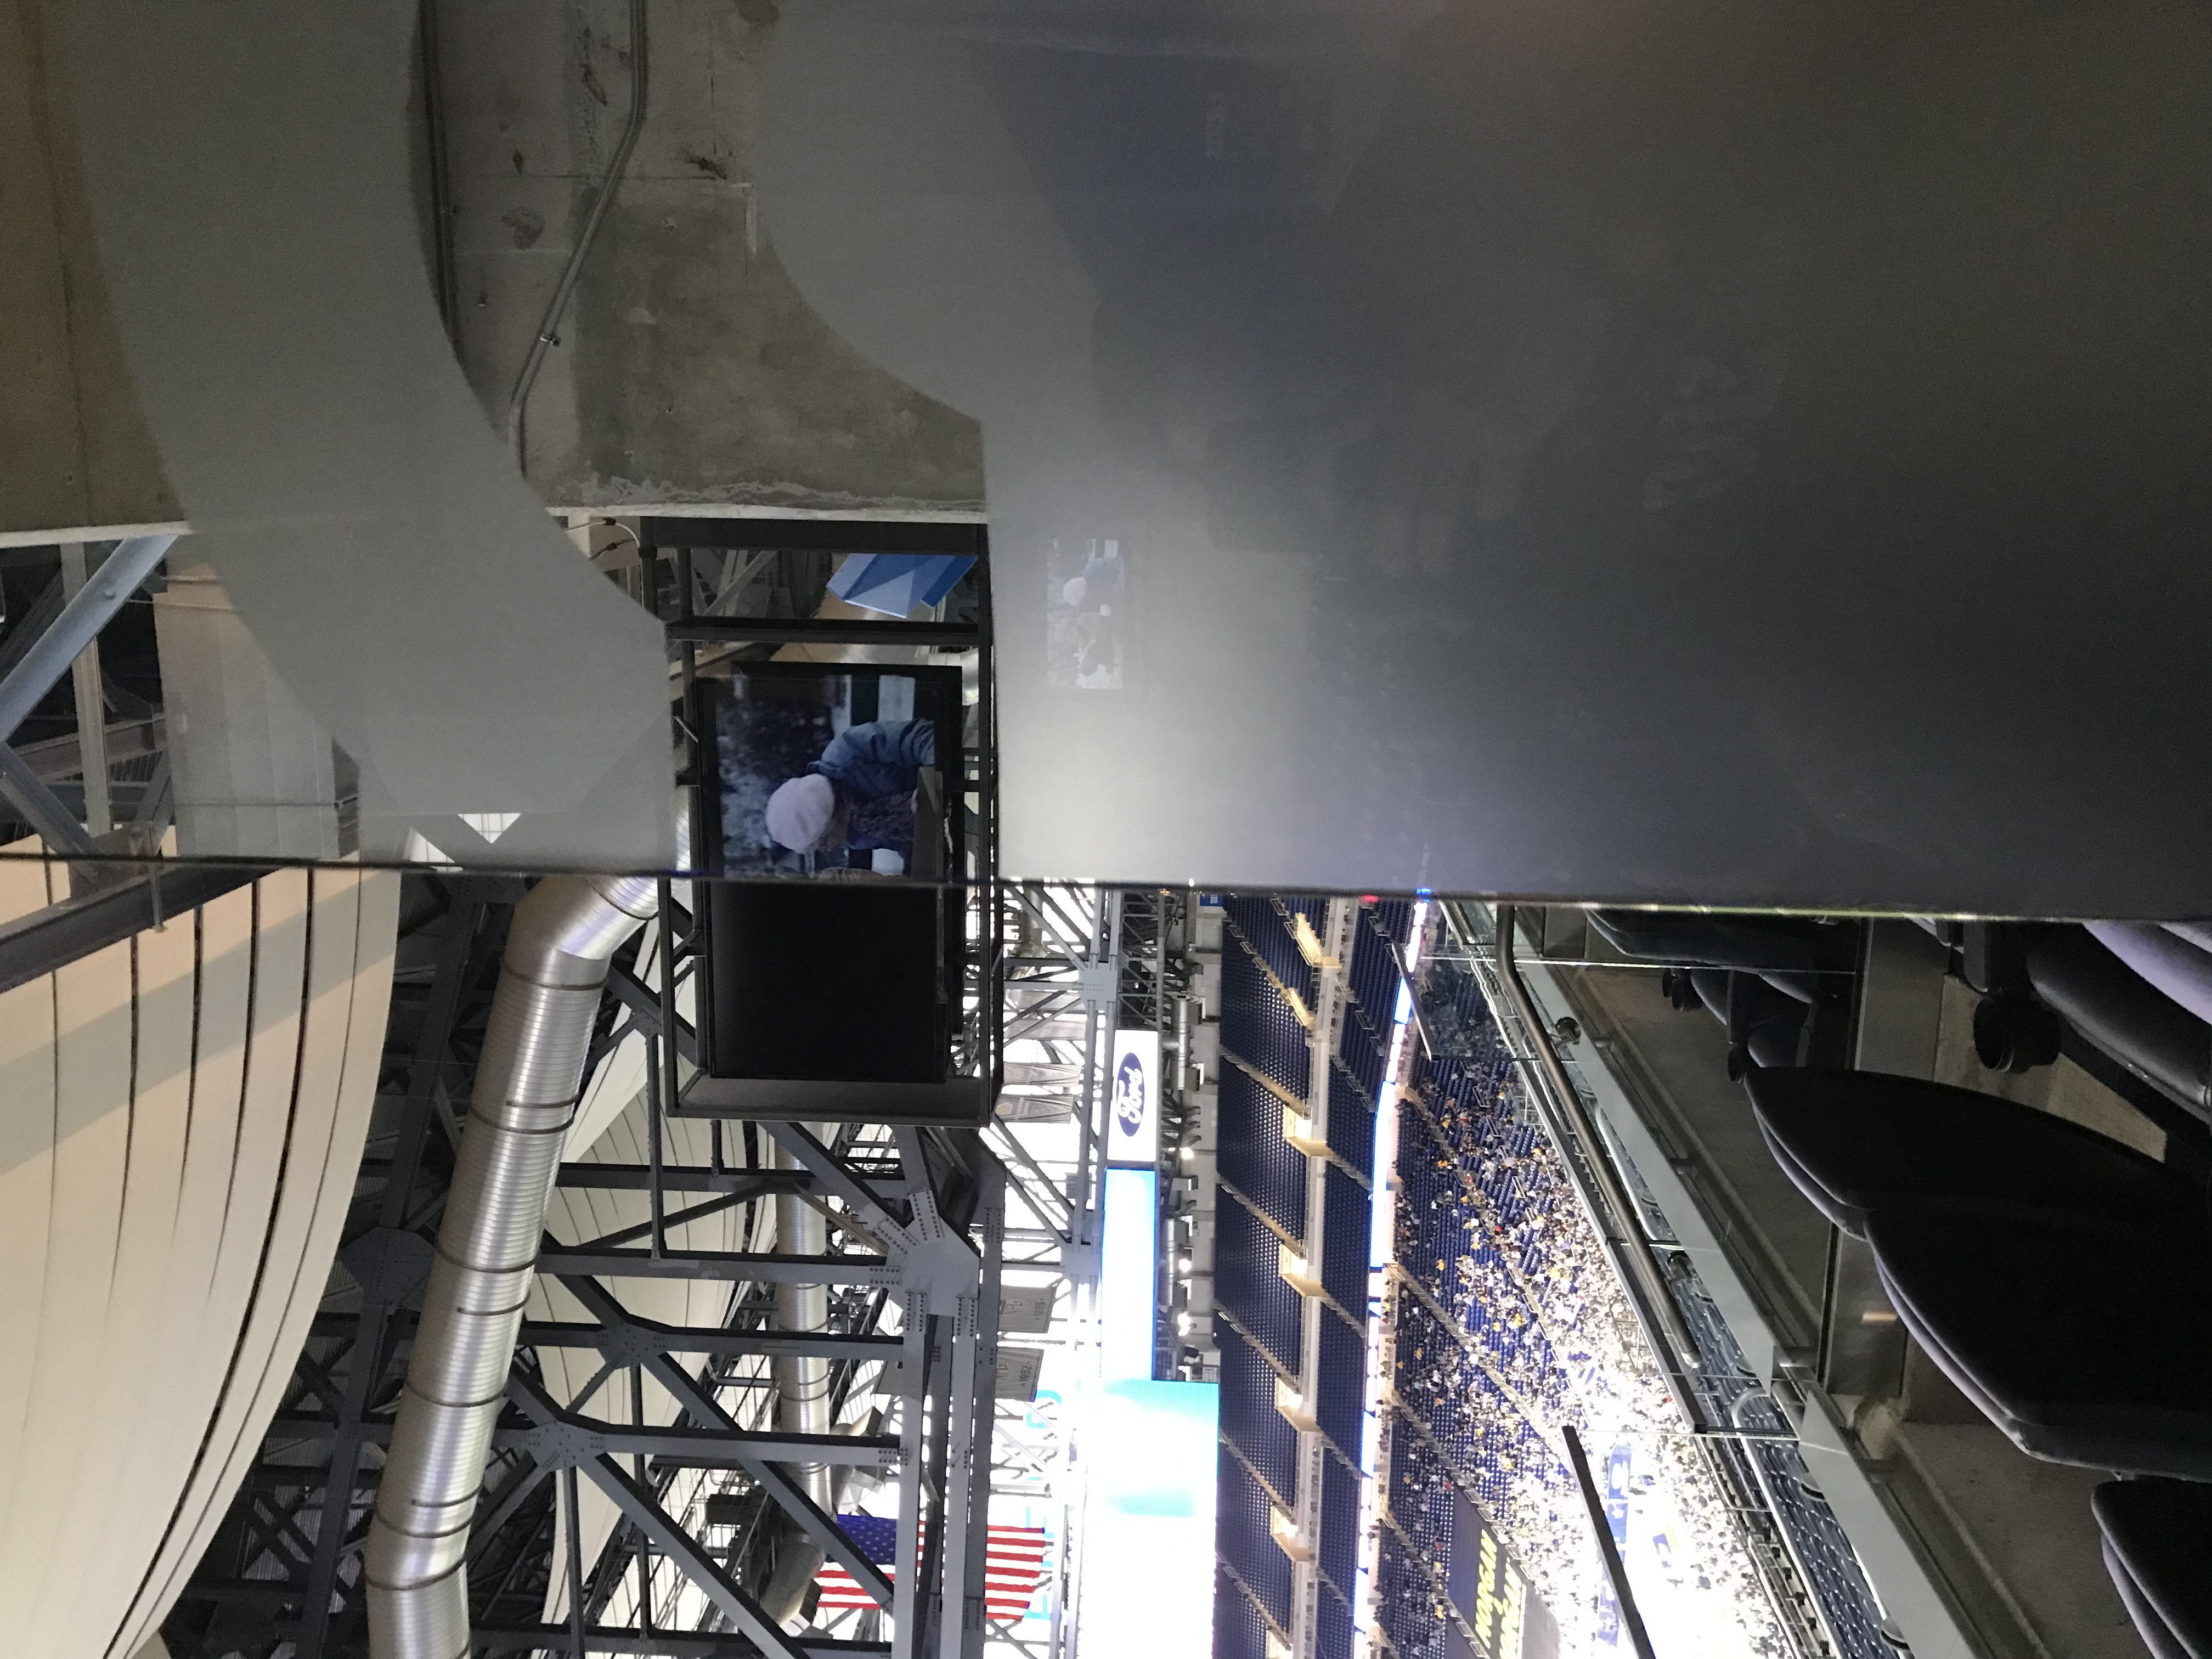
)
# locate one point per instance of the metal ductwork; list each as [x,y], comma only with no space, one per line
[564,934]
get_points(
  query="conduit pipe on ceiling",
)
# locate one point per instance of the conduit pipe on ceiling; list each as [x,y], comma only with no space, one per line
[563,937]
[518,401]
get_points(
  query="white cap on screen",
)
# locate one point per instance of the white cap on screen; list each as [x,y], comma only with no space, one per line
[800,811]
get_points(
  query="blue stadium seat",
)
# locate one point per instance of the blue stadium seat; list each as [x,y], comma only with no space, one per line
[1250,1287]
[1243,1515]
[1248,1417]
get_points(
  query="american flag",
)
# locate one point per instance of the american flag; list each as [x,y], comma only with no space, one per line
[1013,1567]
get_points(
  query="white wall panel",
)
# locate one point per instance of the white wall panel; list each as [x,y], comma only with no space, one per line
[88,1162]
[170,1203]
[26,1140]
[346,925]
[95,1566]
[216,1245]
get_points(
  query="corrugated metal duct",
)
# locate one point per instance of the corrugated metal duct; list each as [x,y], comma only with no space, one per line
[520,1111]
[185,1114]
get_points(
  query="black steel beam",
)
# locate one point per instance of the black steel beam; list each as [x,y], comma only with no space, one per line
[683,1178]
[810,630]
[694,1559]
[1608,1550]
[679,1338]
[59,934]
[815,535]
[561,1638]
[699,1402]
[262,1592]
[762,1267]
[644,1003]
[687,1449]
[837,1178]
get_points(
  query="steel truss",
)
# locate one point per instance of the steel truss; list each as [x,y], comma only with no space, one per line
[917,1223]
[923,1224]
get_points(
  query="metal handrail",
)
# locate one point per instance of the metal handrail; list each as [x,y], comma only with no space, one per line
[1642,1259]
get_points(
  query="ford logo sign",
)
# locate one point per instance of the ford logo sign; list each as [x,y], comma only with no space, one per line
[1129,1103]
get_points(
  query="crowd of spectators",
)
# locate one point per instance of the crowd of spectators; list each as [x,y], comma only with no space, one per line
[1509,1322]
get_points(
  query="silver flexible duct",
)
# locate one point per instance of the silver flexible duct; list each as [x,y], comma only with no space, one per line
[563,936]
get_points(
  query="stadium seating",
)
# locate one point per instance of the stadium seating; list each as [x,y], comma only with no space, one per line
[1250,1422]
[1243,1516]
[1855,1141]
[2124,1014]
[2085,1341]
[2063,1281]
[2157,1539]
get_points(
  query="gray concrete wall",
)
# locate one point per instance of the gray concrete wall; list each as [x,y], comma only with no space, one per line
[688,370]
[74,454]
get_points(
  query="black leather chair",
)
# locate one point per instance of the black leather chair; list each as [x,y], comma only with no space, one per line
[1856,1141]
[2063,1281]
[1780,984]
[2126,1015]
[1765,1025]
[2157,1540]
[2085,1341]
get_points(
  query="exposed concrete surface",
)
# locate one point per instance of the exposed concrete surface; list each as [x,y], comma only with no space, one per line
[2026,1544]
[2063,1088]
[74,453]
[688,369]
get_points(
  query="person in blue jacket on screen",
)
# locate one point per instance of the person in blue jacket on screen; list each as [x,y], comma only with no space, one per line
[859,795]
